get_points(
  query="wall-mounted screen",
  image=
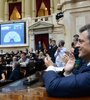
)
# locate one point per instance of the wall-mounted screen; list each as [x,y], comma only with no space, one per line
[13,34]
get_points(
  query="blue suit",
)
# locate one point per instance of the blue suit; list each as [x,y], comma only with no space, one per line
[75,85]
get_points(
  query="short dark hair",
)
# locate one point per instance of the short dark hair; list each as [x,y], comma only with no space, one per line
[76,35]
[62,42]
[23,53]
[85,28]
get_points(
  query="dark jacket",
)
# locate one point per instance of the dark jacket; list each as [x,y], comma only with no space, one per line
[15,74]
[75,85]
[52,50]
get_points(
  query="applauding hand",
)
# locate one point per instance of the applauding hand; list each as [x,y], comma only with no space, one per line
[48,61]
[70,64]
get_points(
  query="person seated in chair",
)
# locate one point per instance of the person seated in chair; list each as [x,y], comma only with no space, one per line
[24,61]
[2,70]
[15,73]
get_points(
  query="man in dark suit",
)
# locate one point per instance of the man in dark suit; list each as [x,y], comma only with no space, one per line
[72,82]
[15,73]
[52,50]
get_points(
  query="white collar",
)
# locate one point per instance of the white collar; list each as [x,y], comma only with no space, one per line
[88,64]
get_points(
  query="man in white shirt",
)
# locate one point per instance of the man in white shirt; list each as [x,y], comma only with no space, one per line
[59,54]
[24,61]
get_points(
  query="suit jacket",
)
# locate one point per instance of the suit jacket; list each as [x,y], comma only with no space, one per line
[75,85]
[15,74]
[52,50]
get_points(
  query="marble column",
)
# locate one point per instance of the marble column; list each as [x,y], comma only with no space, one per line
[6,12]
[51,6]
[23,8]
[55,2]
[1,10]
[27,8]
[33,8]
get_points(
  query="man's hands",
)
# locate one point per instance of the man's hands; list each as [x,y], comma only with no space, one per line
[70,64]
[68,67]
[48,61]
[65,58]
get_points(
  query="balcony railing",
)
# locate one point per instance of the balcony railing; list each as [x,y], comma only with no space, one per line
[48,19]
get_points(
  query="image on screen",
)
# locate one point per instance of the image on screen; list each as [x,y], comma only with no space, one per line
[13,33]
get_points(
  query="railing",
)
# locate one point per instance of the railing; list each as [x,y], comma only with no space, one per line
[48,19]
[43,18]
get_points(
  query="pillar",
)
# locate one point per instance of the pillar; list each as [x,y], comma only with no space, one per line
[27,8]
[6,12]
[23,8]
[1,10]
[33,8]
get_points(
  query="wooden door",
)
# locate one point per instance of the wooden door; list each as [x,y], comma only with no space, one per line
[44,39]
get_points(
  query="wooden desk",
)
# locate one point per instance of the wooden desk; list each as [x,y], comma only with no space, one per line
[18,91]
[38,93]
[5,82]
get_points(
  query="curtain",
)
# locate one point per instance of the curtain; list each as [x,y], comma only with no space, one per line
[47,4]
[38,4]
[12,6]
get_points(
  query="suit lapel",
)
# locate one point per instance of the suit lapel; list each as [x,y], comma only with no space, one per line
[84,68]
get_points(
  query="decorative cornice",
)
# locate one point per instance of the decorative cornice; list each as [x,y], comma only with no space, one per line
[40,24]
[68,2]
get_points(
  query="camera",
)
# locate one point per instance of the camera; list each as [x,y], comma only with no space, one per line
[59,15]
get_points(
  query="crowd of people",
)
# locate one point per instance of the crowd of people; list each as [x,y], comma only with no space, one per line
[66,72]
[72,80]
[20,64]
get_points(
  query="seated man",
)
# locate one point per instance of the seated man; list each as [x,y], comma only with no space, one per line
[24,61]
[15,73]
[71,84]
